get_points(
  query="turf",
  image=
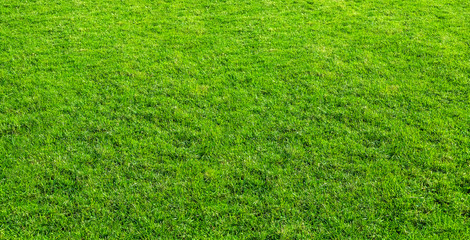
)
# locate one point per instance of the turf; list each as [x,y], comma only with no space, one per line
[234,119]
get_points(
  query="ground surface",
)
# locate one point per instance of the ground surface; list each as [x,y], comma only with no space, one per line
[235,119]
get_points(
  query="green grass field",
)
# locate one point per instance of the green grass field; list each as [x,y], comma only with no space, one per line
[235,119]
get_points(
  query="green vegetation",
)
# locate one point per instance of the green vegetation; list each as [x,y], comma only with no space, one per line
[234,119]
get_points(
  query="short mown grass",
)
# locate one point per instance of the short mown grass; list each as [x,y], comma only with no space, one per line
[234,119]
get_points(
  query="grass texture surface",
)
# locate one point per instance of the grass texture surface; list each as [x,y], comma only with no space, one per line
[234,119]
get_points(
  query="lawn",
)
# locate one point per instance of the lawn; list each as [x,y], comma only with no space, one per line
[234,119]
